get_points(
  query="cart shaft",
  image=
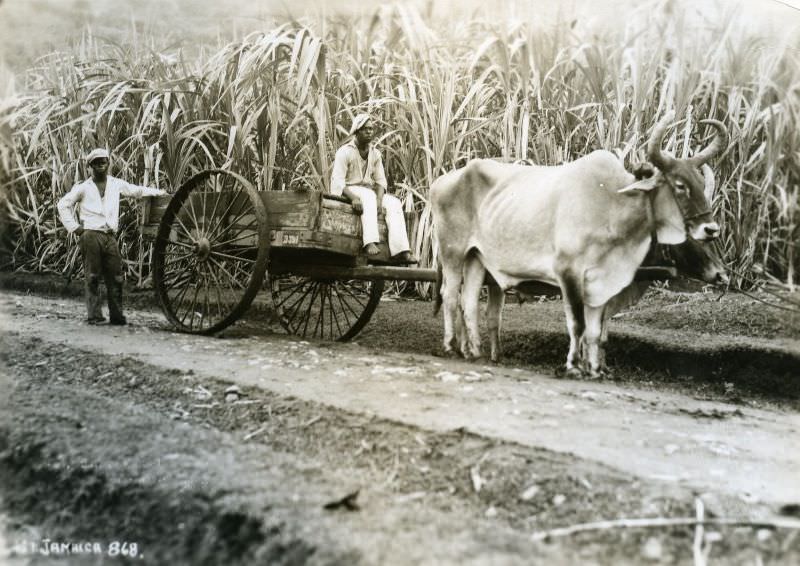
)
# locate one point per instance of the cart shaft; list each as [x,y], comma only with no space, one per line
[397,273]
[367,272]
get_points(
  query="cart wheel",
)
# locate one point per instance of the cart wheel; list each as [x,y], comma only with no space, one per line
[211,252]
[325,309]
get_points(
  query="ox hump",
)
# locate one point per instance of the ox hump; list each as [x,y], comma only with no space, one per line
[603,169]
[603,161]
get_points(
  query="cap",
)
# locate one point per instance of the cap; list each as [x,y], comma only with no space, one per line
[96,153]
[358,123]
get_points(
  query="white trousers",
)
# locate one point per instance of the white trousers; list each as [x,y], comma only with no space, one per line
[395,219]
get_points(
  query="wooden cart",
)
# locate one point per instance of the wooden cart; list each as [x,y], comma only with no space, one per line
[219,241]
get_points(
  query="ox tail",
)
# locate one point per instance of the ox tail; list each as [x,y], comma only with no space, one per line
[437,288]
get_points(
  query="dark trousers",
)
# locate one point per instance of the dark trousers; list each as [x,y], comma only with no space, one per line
[101,258]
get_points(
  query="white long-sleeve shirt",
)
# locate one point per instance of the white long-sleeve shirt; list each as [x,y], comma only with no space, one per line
[98,213]
[350,169]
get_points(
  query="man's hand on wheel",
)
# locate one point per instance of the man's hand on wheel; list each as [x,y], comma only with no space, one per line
[358,208]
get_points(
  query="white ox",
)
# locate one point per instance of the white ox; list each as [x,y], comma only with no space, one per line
[584,226]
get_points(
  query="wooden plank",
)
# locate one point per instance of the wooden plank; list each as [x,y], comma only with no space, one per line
[153,208]
[144,211]
[316,239]
[336,229]
[368,272]
[294,219]
[334,204]
[239,216]
[283,260]
[345,221]
[340,221]
[291,216]
[290,201]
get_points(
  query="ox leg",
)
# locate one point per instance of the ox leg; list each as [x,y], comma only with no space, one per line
[461,330]
[451,286]
[474,274]
[494,316]
[576,324]
[592,337]
[603,339]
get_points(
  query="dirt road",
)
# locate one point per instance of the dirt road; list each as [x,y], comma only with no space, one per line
[455,462]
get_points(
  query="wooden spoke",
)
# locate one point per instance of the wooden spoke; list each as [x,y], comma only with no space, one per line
[211,252]
[325,309]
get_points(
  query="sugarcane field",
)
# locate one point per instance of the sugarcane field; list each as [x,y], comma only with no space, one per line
[399,283]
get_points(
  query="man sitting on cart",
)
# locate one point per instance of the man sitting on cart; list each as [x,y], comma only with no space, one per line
[358,175]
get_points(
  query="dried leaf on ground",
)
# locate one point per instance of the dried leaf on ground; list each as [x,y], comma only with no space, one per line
[348,502]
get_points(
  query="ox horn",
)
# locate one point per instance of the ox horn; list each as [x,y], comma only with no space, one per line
[659,158]
[709,184]
[716,145]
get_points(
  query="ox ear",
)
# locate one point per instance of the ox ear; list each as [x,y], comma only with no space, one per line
[670,228]
[708,182]
[647,184]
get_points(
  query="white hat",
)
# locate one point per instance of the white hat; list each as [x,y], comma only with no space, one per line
[96,153]
[358,123]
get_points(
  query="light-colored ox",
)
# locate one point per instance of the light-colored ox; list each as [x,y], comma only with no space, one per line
[584,226]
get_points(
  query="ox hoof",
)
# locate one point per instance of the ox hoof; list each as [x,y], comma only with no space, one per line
[451,353]
[599,373]
[574,373]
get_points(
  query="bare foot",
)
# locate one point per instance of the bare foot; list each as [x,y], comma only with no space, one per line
[371,249]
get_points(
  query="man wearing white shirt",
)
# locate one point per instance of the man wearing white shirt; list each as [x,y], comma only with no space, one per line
[358,175]
[98,200]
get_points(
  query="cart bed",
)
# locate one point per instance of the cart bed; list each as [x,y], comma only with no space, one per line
[298,220]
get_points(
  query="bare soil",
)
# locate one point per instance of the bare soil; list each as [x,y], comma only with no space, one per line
[128,433]
[680,336]
[700,343]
